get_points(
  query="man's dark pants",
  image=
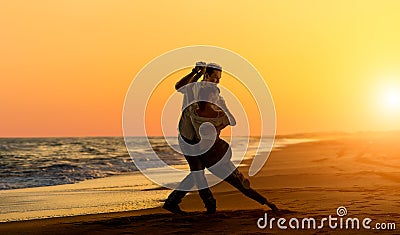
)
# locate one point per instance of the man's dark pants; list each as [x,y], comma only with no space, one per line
[195,178]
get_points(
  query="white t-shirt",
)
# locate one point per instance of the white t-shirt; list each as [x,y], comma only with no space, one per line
[191,93]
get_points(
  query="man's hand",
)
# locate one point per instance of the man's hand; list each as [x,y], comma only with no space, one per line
[200,67]
[193,76]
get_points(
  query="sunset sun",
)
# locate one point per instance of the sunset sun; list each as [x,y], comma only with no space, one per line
[391,99]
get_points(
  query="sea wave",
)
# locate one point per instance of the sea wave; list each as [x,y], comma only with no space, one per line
[35,162]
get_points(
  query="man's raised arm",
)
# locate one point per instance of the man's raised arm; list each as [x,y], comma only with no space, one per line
[192,76]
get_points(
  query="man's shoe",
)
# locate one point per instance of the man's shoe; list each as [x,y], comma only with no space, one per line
[211,206]
[174,208]
[211,210]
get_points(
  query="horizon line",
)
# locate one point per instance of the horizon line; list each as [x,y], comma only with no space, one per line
[251,136]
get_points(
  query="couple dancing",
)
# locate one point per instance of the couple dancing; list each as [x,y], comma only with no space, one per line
[204,115]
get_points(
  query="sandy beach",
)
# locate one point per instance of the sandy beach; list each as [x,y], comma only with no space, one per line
[357,171]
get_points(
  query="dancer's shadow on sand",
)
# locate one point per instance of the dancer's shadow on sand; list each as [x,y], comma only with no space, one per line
[163,219]
[222,222]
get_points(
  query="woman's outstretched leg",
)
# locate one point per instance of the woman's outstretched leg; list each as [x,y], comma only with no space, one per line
[237,180]
[234,177]
[218,161]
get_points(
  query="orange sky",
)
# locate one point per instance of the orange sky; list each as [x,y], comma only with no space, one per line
[65,66]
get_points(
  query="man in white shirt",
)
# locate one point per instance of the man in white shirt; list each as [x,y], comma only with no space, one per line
[189,87]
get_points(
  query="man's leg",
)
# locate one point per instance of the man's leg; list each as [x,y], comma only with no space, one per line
[173,200]
[196,177]
[197,171]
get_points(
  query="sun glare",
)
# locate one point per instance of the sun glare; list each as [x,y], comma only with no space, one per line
[391,99]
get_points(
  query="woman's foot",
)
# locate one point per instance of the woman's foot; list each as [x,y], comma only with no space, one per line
[273,207]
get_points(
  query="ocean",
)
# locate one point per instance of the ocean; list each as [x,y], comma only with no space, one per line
[36,162]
